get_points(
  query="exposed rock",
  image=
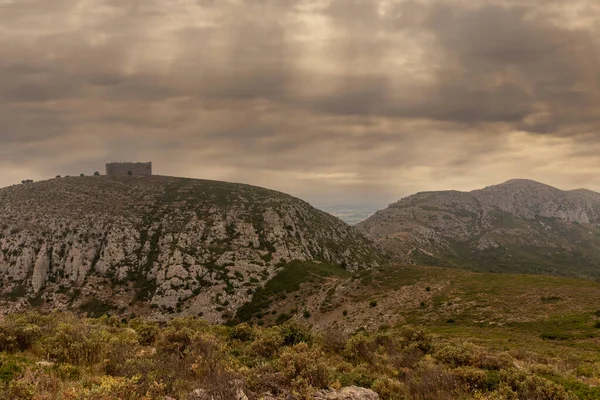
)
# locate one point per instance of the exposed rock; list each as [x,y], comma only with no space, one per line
[518,226]
[201,394]
[45,364]
[40,271]
[182,246]
[347,393]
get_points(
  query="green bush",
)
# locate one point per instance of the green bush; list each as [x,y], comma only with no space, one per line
[388,388]
[294,333]
[9,369]
[242,332]
[147,331]
[533,387]
[457,355]
[473,379]
[267,343]
[415,338]
[304,367]
[19,334]
[76,344]
[360,349]
[176,341]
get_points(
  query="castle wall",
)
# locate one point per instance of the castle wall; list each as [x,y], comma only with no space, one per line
[129,168]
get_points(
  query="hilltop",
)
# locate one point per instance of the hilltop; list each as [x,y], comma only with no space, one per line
[517,226]
[159,245]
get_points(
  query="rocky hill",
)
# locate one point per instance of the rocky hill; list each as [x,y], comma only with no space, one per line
[517,226]
[159,245]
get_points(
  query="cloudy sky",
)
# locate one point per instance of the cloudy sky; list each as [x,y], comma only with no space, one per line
[340,100]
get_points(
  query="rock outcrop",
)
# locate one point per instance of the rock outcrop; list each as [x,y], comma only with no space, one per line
[158,245]
[518,226]
[348,393]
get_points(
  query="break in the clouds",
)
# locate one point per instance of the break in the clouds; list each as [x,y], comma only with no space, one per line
[342,99]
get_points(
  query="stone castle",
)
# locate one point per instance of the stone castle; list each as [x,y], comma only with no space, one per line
[128,169]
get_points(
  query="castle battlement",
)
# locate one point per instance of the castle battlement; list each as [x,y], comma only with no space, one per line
[129,169]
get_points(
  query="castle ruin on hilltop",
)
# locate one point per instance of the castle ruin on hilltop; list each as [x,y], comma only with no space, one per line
[128,169]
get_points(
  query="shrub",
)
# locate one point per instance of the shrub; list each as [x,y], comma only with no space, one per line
[67,371]
[360,349]
[242,332]
[349,375]
[431,382]
[147,331]
[294,333]
[388,388]
[457,355]
[20,390]
[18,335]
[75,343]
[415,338]
[9,369]
[305,367]
[110,387]
[373,303]
[267,343]
[333,341]
[407,359]
[175,341]
[472,379]
[283,318]
[533,387]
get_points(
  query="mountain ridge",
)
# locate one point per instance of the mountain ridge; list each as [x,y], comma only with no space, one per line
[517,226]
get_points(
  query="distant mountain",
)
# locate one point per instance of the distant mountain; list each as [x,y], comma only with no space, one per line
[350,213]
[518,226]
[159,245]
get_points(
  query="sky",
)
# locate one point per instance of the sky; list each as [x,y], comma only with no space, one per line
[329,100]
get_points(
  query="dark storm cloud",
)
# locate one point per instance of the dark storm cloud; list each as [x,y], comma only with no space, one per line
[307,96]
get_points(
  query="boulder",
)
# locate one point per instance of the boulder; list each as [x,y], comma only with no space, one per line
[347,393]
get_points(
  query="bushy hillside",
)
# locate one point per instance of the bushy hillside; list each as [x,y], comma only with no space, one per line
[58,356]
[554,321]
[518,226]
[159,245]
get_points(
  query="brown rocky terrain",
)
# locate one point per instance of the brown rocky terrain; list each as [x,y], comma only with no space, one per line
[158,245]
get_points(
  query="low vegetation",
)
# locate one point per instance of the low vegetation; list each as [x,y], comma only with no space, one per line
[288,280]
[61,356]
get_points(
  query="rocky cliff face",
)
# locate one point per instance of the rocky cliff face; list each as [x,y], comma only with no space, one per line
[518,226]
[158,245]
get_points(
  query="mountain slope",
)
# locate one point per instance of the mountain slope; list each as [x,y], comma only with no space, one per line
[517,226]
[176,245]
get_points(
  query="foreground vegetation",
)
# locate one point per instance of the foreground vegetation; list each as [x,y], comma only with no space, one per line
[61,356]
